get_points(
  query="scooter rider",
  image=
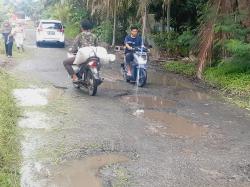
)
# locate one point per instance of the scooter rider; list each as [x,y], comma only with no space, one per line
[84,39]
[131,41]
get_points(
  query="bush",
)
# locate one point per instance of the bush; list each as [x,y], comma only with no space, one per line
[104,32]
[166,41]
[188,69]
[174,43]
[186,41]
[233,74]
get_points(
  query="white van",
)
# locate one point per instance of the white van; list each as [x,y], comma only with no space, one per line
[50,31]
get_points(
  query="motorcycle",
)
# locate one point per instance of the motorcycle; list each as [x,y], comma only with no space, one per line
[88,72]
[138,67]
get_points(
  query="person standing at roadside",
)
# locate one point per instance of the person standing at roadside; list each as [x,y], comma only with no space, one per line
[8,38]
[18,33]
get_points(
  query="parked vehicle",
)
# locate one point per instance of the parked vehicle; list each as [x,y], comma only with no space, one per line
[50,31]
[138,67]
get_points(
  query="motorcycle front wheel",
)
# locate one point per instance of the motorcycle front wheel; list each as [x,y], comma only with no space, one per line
[92,84]
[142,80]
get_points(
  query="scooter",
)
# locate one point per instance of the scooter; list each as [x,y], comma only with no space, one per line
[138,67]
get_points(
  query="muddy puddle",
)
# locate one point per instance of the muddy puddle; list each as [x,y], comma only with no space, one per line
[165,79]
[31,96]
[171,124]
[34,120]
[146,101]
[193,95]
[112,76]
[84,173]
[112,86]
[36,96]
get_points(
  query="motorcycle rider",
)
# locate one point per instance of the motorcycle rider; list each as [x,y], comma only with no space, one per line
[84,39]
[131,41]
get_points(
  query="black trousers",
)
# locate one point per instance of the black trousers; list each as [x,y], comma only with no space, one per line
[129,58]
[68,65]
[8,48]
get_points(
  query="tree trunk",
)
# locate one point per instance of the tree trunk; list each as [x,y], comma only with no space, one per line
[168,15]
[114,26]
[144,24]
[108,9]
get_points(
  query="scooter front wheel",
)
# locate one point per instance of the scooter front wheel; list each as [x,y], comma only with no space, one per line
[142,80]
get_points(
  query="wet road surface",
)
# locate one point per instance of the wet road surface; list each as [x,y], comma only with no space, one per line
[170,133]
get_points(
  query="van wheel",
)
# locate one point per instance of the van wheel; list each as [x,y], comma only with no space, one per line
[62,45]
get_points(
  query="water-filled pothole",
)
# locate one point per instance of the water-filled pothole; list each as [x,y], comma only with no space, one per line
[31,96]
[171,124]
[34,120]
[84,172]
[148,101]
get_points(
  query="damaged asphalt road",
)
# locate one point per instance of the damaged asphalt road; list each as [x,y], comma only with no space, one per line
[169,133]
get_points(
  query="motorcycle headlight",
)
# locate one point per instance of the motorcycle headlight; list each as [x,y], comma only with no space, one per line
[144,57]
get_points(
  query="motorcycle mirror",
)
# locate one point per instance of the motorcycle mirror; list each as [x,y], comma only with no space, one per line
[111,57]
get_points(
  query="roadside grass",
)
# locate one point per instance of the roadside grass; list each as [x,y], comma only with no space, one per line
[9,143]
[187,69]
[229,78]
[232,83]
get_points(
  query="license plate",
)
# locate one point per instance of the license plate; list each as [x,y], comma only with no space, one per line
[51,33]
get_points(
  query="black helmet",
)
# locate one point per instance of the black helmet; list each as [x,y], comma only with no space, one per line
[86,25]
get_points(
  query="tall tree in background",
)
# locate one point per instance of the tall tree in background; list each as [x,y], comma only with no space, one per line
[219,9]
[168,4]
[115,21]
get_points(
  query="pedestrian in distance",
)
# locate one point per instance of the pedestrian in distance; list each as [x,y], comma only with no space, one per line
[8,38]
[19,36]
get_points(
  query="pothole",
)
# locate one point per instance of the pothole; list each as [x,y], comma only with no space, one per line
[107,85]
[148,101]
[31,96]
[193,96]
[34,120]
[84,172]
[171,124]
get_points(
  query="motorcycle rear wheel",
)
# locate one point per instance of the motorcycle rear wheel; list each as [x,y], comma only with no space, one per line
[92,84]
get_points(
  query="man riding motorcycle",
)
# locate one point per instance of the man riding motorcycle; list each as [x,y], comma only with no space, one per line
[84,39]
[131,41]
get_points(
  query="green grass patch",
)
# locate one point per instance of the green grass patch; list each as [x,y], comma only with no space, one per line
[184,68]
[9,143]
[232,82]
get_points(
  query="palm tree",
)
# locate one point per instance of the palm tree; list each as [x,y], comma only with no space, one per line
[110,8]
[219,9]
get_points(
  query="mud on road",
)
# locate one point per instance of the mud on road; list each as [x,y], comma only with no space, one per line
[169,133]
